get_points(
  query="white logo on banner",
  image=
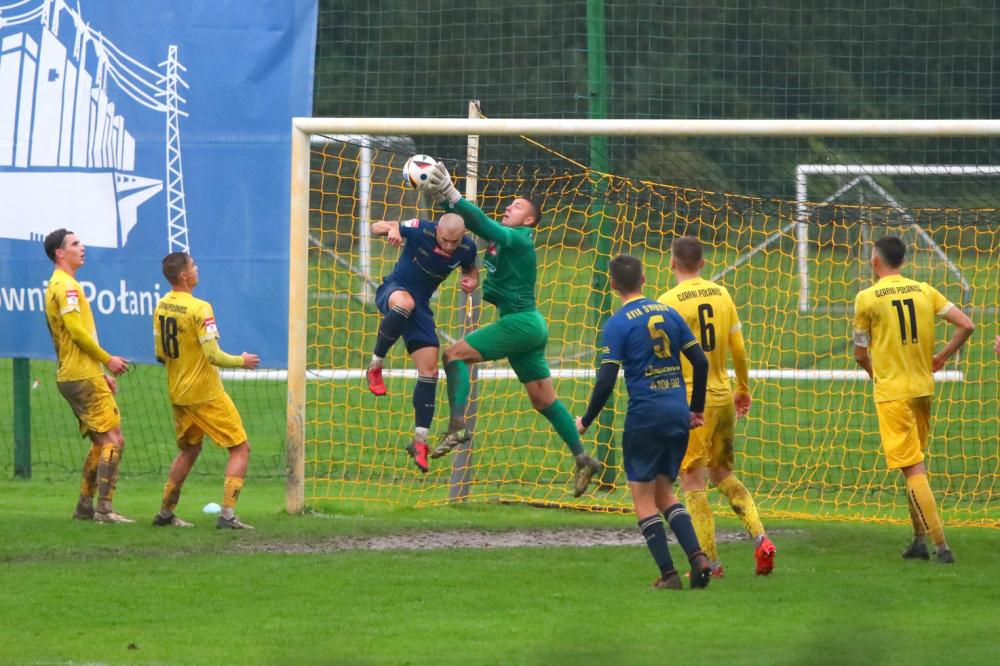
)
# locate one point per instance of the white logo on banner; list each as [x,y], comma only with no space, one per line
[67,157]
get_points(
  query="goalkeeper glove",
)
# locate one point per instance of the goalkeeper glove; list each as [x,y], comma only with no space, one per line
[440,186]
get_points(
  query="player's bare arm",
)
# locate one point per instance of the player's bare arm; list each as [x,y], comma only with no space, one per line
[741,396]
[117,365]
[862,339]
[862,358]
[389,229]
[964,327]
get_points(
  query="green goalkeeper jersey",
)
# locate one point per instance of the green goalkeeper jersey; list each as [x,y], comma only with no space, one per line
[510,262]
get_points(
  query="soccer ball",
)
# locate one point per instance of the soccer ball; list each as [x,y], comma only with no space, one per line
[417,170]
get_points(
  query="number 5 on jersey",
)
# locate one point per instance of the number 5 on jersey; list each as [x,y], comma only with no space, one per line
[661,341]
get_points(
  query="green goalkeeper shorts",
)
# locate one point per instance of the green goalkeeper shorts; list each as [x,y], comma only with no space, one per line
[520,338]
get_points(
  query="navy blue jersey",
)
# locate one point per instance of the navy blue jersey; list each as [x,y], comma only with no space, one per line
[423,265]
[646,339]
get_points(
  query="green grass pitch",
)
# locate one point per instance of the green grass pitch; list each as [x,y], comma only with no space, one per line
[85,593]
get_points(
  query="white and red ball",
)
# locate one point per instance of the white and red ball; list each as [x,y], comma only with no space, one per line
[417,170]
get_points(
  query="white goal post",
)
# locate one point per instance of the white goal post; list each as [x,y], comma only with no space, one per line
[304,128]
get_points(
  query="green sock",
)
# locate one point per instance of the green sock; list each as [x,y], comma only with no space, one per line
[565,425]
[459,384]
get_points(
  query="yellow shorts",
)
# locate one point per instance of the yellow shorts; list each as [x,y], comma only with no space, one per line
[904,426]
[93,403]
[216,418]
[711,445]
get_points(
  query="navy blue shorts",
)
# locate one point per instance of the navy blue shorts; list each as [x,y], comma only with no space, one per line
[420,331]
[650,451]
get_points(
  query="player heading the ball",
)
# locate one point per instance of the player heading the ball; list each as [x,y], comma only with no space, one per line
[430,252]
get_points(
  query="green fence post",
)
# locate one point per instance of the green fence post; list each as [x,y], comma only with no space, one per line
[602,222]
[22,418]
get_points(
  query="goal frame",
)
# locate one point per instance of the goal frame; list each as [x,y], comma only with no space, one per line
[302,129]
[863,173]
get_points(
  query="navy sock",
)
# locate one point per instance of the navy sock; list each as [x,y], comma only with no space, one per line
[390,329]
[680,523]
[656,540]
[424,396]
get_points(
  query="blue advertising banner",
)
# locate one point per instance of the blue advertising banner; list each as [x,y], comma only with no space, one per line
[148,128]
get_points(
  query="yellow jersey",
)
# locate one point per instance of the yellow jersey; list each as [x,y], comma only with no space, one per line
[181,323]
[64,296]
[894,318]
[709,310]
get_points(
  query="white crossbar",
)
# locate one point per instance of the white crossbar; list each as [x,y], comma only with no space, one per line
[646,127]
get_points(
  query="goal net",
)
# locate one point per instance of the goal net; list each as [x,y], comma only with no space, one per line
[810,446]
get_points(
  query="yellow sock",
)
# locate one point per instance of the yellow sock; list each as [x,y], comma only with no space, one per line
[231,491]
[919,492]
[107,476]
[171,496]
[704,521]
[919,529]
[88,483]
[743,505]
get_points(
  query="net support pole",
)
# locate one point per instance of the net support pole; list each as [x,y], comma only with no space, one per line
[802,237]
[22,418]
[602,221]
[461,479]
[298,264]
[366,294]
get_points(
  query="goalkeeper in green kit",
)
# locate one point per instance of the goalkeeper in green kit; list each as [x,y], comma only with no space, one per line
[519,335]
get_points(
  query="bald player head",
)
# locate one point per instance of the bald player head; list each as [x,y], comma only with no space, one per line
[450,230]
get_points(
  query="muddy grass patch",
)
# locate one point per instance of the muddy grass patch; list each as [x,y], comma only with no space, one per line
[449,539]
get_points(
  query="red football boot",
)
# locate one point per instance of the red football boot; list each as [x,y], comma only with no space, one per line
[418,451]
[765,557]
[375,383]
